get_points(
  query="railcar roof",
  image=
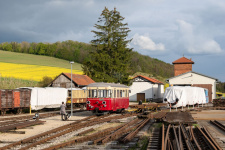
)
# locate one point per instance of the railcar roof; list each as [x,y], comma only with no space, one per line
[102,84]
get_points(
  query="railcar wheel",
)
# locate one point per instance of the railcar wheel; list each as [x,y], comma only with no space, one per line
[123,111]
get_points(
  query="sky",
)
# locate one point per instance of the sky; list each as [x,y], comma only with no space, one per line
[162,29]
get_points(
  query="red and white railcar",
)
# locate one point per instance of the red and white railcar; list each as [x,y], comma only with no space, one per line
[107,97]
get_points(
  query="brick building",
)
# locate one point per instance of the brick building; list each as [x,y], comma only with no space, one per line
[182,65]
[184,76]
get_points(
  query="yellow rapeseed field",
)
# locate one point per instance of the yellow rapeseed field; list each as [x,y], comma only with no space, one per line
[31,72]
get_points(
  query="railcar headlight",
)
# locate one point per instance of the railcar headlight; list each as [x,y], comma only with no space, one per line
[104,105]
[104,102]
[88,102]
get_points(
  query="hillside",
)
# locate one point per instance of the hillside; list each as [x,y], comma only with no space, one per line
[58,55]
[79,52]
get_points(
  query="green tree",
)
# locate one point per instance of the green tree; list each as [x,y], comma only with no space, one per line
[45,81]
[110,60]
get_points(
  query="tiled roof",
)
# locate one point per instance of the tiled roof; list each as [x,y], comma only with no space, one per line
[150,79]
[183,60]
[80,79]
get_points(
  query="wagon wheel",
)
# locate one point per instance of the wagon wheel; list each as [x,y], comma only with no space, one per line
[19,110]
[2,112]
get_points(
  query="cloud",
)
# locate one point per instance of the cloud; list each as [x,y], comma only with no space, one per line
[195,42]
[145,42]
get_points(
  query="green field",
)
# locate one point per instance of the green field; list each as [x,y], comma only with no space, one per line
[30,59]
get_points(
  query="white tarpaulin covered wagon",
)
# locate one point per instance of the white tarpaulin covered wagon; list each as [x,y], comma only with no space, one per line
[180,96]
[49,97]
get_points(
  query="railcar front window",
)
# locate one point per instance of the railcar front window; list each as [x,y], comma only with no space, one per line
[103,93]
[100,93]
[93,93]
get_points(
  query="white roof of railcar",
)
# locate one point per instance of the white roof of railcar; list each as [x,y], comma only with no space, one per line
[102,84]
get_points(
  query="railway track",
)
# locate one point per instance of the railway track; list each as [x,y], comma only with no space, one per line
[218,124]
[30,117]
[60,131]
[167,137]
[13,125]
[181,138]
[129,129]
[18,122]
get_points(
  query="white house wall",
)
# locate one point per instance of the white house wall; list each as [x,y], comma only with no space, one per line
[193,78]
[141,87]
[155,91]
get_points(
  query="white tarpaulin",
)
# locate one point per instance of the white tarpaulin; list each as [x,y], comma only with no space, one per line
[186,95]
[48,97]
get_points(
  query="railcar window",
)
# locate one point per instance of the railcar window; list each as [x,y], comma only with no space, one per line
[109,93]
[123,93]
[89,93]
[114,93]
[93,93]
[118,93]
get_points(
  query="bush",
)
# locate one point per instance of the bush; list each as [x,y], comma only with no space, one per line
[45,81]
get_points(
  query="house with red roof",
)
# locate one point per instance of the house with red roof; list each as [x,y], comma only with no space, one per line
[145,88]
[184,76]
[64,80]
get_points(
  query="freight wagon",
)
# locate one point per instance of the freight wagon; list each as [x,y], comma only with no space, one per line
[49,97]
[79,97]
[179,96]
[16,99]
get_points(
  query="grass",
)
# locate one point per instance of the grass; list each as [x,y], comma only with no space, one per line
[12,83]
[33,67]
[21,58]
